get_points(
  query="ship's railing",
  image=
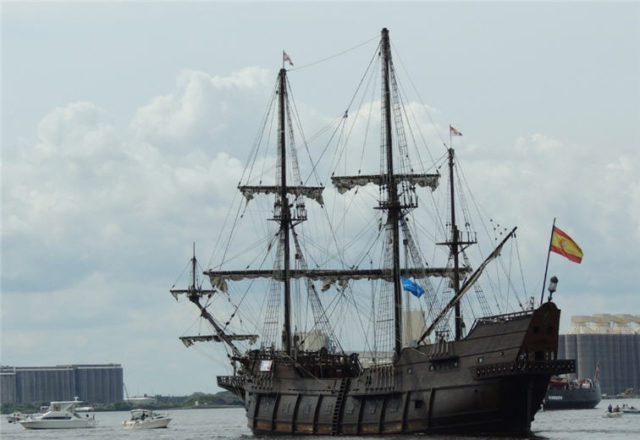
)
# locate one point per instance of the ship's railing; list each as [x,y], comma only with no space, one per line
[505,317]
[236,382]
[322,364]
[380,377]
[501,318]
[318,363]
[525,367]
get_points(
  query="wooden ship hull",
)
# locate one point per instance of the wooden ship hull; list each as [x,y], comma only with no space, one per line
[492,381]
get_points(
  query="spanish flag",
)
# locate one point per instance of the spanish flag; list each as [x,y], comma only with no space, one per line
[564,245]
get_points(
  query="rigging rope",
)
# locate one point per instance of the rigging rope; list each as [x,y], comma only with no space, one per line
[419,96]
[304,66]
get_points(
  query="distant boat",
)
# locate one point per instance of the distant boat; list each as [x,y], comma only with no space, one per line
[59,415]
[612,414]
[630,409]
[16,417]
[572,394]
[146,419]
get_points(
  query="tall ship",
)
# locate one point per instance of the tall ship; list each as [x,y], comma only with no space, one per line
[287,317]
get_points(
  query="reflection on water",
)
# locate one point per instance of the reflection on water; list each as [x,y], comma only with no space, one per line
[230,423]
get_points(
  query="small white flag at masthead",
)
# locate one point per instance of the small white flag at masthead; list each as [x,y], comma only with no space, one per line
[286,57]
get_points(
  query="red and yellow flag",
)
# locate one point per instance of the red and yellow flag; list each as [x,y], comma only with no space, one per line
[564,245]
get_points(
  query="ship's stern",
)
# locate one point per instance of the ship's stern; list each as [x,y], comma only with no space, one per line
[537,360]
[522,378]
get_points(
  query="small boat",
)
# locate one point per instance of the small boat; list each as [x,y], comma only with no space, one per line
[612,414]
[146,419]
[59,415]
[630,410]
[16,417]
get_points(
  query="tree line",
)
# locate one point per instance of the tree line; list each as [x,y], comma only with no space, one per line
[195,400]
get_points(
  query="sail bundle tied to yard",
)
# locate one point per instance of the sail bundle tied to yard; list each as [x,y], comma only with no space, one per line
[327,276]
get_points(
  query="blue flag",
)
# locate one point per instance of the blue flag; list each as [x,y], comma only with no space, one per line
[412,286]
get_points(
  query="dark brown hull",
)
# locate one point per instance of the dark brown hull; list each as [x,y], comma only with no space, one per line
[493,381]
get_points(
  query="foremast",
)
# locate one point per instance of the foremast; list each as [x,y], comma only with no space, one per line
[287,196]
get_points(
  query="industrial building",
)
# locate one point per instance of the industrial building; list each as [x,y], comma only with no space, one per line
[609,342]
[90,383]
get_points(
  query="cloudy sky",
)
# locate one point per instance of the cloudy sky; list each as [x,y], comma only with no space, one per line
[125,128]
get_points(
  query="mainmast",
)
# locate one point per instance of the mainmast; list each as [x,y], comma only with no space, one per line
[285,213]
[394,200]
[393,207]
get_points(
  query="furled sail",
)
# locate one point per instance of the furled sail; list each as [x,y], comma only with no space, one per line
[346,183]
[327,276]
[312,192]
[188,341]
[199,292]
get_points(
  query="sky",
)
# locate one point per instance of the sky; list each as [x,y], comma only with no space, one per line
[125,127]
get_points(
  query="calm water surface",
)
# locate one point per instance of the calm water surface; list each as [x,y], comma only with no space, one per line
[230,423]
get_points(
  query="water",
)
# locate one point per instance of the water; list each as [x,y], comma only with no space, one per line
[230,423]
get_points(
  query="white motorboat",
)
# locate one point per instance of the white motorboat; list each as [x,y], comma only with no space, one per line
[59,415]
[146,419]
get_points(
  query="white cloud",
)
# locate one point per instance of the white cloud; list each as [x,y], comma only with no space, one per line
[591,191]
[98,221]
[84,184]
[200,108]
[98,214]
[77,131]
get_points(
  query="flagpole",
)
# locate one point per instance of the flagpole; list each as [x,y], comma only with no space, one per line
[547,265]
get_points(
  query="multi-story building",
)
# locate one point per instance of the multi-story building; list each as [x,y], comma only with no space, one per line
[609,342]
[90,383]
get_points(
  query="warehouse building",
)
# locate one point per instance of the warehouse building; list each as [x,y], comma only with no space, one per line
[90,383]
[609,342]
